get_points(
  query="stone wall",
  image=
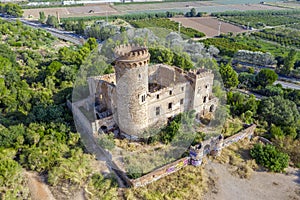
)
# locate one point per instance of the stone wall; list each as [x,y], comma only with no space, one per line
[161,172]
[211,146]
[79,117]
[247,132]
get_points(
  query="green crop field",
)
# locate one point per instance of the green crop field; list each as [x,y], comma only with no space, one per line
[168,24]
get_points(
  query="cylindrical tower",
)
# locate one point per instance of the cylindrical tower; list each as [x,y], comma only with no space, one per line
[131,67]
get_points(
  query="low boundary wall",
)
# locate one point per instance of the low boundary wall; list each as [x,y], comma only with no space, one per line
[178,164]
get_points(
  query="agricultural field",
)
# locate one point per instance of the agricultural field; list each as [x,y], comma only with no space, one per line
[77,11]
[260,19]
[294,26]
[230,45]
[283,36]
[168,24]
[200,6]
[208,25]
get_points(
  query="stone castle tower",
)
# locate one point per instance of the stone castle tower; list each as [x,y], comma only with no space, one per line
[131,68]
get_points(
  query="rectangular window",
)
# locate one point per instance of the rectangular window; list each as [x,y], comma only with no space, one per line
[157,96]
[157,111]
[170,106]
[181,101]
[143,98]
[182,89]
[170,92]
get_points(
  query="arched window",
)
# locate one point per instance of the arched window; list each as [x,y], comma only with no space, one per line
[212,108]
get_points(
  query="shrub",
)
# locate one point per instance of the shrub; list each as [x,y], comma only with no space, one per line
[269,157]
[107,141]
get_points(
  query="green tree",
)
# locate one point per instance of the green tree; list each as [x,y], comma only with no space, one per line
[266,77]
[91,43]
[12,9]
[193,12]
[276,132]
[54,67]
[12,184]
[289,61]
[279,111]
[75,169]
[270,157]
[246,80]
[52,21]
[42,17]
[229,76]
[102,187]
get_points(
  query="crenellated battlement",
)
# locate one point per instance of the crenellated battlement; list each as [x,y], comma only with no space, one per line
[200,73]
[132,53]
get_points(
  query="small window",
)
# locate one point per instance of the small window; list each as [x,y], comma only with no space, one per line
[170,106]
[157,96]
[182,89]
[157,111]
[204,99]
[181,101]
[206,86]
[140,76]
[143,98]
[170,92]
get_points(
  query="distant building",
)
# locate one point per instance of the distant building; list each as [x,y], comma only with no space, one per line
[138,96]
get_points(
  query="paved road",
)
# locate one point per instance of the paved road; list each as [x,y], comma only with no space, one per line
[64,35]
[257,96]
[288,85]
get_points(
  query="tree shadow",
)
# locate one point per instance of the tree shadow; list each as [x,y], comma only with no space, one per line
[297,173]
[63,95]
[13,118]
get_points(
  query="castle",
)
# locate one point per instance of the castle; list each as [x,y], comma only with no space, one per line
[139,96]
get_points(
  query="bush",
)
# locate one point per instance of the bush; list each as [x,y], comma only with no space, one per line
[107,141]
[269,157]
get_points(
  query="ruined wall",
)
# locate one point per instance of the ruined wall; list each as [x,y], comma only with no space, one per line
[212,146]
[80,118]
[202,91]
[176,90]
[247,132]
[169,101]
[93,81]
[109,122]
[161,172]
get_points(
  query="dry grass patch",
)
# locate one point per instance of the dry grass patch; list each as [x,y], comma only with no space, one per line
[237,156]
[187,183]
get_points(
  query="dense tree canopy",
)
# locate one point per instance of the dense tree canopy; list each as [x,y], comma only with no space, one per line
[11,9]
[229,76]
[279,111]
[266,77]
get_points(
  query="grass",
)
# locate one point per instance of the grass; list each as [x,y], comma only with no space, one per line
[237,156]
[187,183]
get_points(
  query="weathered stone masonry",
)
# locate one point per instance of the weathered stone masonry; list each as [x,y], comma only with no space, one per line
[212,146]
[139,96]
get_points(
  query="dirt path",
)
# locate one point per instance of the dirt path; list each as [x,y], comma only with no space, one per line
[261,185]
[38,189]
